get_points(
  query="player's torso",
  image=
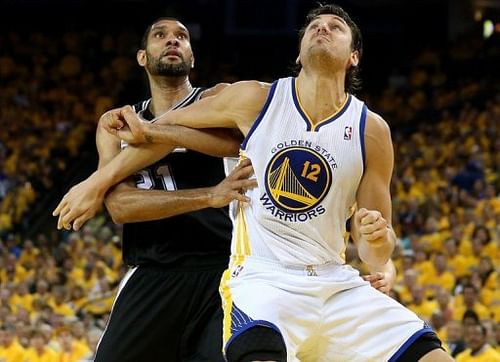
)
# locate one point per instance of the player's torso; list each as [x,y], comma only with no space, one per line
[176,240]
[307,175]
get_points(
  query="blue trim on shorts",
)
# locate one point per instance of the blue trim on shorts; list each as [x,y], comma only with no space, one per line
[248,326]
[261,114]
[409,342]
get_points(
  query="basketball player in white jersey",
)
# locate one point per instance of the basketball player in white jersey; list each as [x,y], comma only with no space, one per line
[316,151]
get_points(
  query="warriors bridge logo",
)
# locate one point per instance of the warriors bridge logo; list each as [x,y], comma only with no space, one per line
[297,180]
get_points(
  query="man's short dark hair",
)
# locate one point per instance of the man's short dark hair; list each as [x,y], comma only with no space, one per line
[352,80]
[144,39]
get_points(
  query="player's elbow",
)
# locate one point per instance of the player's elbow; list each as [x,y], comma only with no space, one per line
[232,149]
[233,143]
[116,212]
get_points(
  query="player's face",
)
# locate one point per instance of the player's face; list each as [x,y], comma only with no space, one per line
[169,50]
[328,37]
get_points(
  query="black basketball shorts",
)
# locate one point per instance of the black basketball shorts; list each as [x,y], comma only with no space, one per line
[165,315]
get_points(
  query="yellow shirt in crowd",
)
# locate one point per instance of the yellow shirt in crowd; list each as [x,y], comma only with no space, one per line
[14,353]
[48,355]
[480,309]
[78,351]
[487,355]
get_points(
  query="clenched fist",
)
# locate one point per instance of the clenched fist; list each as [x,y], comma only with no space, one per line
[371,226]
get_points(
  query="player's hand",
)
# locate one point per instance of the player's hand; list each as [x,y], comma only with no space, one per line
[125,124]
[233,186]
[379,281]
[134,129]
[372,227]
[112,121]
[80,204]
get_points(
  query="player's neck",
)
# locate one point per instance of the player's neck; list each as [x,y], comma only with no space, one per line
[321,95]
[166,92]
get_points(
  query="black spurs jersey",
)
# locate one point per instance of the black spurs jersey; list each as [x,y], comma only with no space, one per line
[176,240]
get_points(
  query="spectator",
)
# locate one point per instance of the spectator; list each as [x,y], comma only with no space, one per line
[477,347]
[454,338]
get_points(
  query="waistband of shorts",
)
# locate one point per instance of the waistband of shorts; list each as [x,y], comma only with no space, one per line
[297,269]
[194,263]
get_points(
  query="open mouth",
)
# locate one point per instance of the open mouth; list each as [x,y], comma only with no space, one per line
[171,54]
[322,36]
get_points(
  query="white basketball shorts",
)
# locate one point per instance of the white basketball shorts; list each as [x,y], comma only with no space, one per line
[324,313]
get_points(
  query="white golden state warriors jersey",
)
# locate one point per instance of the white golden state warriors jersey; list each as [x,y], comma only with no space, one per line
[307,176]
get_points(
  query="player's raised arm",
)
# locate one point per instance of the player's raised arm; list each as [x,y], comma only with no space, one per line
[372,231]
[237,106]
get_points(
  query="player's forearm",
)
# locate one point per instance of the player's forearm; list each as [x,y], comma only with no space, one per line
[214,142]
[377,254]
[127,162]
[148,205]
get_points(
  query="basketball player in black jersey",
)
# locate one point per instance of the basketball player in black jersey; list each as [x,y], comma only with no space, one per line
[176,236]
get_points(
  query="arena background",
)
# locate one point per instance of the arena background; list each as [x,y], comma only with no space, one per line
[430,67]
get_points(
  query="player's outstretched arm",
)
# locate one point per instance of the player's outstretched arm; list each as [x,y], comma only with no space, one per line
[237,106]
[147,205]
[217,142]
[85,199]
[372,231]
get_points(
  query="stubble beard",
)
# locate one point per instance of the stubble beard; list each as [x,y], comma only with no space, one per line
[157,67]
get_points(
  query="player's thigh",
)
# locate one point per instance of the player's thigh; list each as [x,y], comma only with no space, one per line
[363,324]
[262,319]
[202,337]
[146,319]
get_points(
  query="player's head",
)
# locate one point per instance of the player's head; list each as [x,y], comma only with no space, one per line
[166,49]
[331,38]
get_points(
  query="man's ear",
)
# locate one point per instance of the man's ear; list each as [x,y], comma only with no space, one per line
[354,59]
[141,57]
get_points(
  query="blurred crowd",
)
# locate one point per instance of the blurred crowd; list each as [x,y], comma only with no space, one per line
[53,90]
[445,119]
[57,289]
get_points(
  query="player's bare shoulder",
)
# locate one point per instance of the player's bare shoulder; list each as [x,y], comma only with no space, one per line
[251,91]
[242,102]
[376,128]
[216,89]
[253,95]
[250,87]
[378,142]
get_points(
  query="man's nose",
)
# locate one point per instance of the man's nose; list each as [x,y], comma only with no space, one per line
[322,28]
[172,40]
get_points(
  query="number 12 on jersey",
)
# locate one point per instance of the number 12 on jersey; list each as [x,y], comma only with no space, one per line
[147,179]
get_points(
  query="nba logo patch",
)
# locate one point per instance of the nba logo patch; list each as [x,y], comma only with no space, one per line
[347,133]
